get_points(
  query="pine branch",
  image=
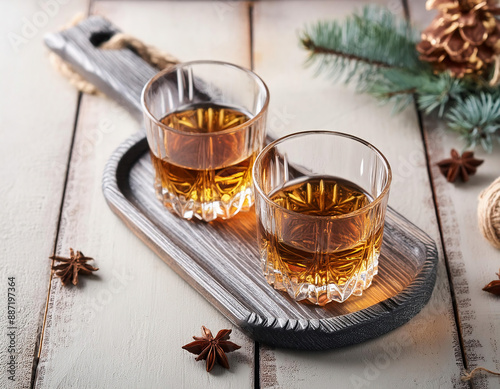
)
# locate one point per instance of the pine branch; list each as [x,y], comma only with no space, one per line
[399,86]
[361,45]
[315,50]
[388,95]
[437,91]
[477,119]
[376,50]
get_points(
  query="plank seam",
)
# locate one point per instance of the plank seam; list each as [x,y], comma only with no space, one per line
[38,347]
[443,248]
[407,13]
[250,26]
[256,359]
[41,327]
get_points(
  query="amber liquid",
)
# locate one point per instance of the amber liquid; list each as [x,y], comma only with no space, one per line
[205,118]
[322,252]
[183,175]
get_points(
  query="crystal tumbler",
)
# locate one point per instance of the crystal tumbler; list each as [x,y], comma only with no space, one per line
[205,124]
[321,198]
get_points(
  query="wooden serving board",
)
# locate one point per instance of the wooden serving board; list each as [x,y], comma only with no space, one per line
[220,259]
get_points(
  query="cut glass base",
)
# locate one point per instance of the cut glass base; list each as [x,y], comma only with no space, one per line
[207,211]
[321,295]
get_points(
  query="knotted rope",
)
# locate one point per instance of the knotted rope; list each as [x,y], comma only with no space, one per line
[488,213]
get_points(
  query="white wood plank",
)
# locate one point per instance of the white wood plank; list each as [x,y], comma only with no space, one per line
[37,110]
[473,262]
[125,327]
[424,352]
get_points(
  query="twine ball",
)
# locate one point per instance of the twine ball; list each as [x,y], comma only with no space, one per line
[488,213]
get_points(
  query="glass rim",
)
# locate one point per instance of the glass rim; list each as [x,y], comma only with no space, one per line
[161,73]
[359,211]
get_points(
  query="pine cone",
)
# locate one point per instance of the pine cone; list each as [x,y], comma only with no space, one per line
[463,37]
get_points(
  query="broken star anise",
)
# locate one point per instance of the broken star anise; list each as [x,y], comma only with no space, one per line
[494,286]
[68,268]
[212,349]
[464,165]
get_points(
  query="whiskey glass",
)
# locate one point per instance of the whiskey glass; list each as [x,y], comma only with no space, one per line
[205,125]
[320,202]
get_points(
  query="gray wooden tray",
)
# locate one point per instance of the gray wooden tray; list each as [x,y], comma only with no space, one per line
[220,259]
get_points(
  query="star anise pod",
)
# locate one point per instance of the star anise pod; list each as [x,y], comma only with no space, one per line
[465,165]
[494,286]
[68,268]
[212,349]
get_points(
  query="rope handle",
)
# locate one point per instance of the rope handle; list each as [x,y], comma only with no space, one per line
[152,55]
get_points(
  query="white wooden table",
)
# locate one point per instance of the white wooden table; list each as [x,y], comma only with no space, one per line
[125,327]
